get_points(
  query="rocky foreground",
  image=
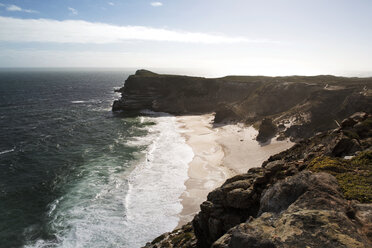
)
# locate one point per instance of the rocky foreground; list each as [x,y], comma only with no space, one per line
[316,194]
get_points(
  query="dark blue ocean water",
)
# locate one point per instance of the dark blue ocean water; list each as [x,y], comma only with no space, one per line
[73,174]
[52,124]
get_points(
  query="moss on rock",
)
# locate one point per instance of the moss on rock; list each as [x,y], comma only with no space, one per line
[354,176]
[181,238]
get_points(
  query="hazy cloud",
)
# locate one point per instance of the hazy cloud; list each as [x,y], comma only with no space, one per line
[77,31]
[73,11]
[13,7]
[156,4]
[111,3]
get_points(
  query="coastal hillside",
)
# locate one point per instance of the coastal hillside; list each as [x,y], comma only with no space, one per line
[315,194]
[298,106]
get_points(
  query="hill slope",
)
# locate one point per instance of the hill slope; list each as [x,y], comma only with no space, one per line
[302,105]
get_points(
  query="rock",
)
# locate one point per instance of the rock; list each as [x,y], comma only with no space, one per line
[364,128]
[273,166]
[346,146]
[116,106]
[249,99]
[281,195]
[243,236]
[281,137]
[363,215]
[284,193]
[348,123]
[281,127]
[315,228]
[299,220]
[145,73]
[183,237]
[266,131]
[304,195]
[227,206]
[239,198]
[359,116]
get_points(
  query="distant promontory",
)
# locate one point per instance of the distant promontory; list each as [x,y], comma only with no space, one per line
[298,106]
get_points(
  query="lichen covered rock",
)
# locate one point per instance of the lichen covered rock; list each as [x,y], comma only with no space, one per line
[316,215]
[354,176]
[182,237]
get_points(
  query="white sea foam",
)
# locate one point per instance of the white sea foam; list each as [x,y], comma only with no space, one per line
[88,101]
[6,151]
[110,207]
[91,213]
[156,184]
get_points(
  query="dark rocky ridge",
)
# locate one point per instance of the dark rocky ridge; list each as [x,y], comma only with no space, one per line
[306,196]
[312,104]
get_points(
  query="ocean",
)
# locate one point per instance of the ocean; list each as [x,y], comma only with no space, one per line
[74,174]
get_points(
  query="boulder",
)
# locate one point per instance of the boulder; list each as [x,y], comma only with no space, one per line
[266,131]
[345,146]
[315,215]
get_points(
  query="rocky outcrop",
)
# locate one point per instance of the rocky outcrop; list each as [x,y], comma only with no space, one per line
[179,94]
[303,210]
[308,104]
[266,131]
[183,237]
[307,196]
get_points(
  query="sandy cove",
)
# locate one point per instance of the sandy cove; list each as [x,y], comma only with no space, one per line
[219,153]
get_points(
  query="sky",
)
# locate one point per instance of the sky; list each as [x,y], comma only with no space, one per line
[200,37]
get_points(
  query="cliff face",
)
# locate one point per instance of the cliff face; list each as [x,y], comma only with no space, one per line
[178,94]
[310,104]
[307,196]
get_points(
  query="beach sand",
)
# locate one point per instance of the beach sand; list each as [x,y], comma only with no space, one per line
[219,153]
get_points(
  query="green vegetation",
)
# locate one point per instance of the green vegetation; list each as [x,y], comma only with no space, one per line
[354,176]
[158,239]
[181,238]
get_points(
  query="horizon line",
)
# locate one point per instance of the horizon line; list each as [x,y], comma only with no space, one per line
[174,69]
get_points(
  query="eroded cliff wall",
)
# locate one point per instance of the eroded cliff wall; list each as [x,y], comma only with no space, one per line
[307,104]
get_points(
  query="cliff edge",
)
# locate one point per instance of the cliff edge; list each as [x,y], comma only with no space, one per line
[298,106]
[316,194]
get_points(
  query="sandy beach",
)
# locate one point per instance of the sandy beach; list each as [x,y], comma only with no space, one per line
[219,153]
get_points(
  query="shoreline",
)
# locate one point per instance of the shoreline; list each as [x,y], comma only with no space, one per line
[205,172]
[219,153]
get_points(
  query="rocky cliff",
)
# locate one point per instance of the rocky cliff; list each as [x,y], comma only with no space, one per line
[316,194]
[302,105]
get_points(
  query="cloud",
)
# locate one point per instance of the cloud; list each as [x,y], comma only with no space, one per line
[156,4]
[13,7]
[111,3]
[83,32]
[73,11]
